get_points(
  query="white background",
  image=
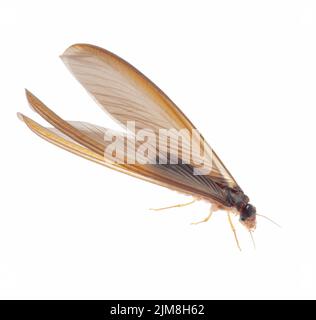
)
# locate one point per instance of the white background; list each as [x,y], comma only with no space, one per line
[243,71]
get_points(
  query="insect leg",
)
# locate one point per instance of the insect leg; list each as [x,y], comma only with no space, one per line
[233,229]
[213,208]
[175,206]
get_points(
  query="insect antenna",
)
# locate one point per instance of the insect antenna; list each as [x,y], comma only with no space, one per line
[252,238]
[261,215]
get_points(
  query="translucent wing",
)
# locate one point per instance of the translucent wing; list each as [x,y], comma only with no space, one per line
[127,95]
[78,138]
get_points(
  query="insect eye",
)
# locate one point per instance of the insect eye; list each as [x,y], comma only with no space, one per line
[247,212]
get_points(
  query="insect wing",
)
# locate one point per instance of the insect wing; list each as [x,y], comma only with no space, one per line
[127,95]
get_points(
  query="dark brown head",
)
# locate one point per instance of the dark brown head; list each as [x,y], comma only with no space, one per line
[248,216]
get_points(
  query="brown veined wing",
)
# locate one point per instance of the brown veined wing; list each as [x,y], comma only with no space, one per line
[127,95]
[87,140]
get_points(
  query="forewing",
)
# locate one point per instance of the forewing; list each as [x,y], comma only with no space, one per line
[175,177]
[127,95]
